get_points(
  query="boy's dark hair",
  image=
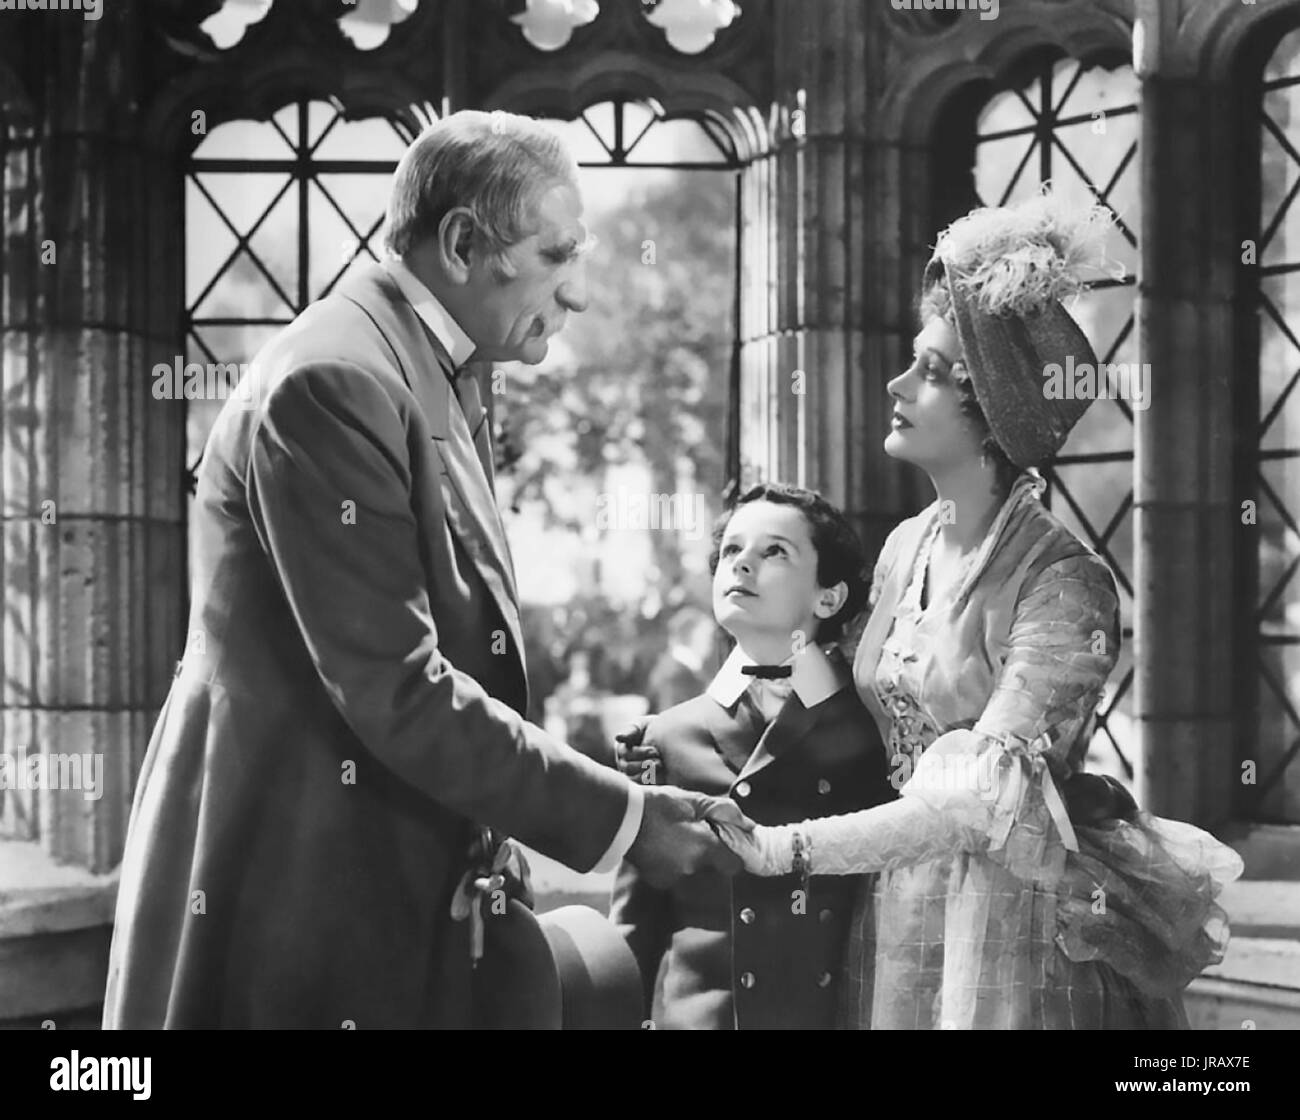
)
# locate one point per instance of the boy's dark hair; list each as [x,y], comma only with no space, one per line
[840,557]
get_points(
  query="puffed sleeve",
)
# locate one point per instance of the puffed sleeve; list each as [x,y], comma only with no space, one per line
[999,778]
[1064,642]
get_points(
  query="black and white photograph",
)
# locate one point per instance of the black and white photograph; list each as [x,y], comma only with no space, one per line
[637,515]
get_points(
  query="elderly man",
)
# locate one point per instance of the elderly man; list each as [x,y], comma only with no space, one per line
[346,724]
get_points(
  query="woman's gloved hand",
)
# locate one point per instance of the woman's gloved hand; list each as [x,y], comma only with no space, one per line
[763,850]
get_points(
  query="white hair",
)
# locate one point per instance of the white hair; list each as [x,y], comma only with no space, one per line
[495,165]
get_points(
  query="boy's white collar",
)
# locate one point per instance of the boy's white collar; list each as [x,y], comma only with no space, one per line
[814,677]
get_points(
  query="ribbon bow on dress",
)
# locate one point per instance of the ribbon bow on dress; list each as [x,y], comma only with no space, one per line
[1022,766]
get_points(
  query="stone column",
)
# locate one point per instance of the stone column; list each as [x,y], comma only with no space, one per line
[91,493]
[1187,516]
[820,258]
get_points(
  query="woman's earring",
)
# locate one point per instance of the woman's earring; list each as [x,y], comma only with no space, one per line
[984,460]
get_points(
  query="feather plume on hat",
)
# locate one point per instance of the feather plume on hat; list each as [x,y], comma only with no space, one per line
[1019,259]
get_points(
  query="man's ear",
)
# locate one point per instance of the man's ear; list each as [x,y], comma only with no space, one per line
[831,599]
[455,236]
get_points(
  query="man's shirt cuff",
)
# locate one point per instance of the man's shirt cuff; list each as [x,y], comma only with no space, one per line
[627,831]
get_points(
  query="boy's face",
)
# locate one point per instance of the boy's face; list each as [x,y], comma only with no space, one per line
[765,587]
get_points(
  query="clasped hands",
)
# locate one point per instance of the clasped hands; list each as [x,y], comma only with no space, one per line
[682,831]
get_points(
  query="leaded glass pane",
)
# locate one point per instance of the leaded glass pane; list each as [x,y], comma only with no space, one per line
[1076,127]
[1277,728]
[250,262]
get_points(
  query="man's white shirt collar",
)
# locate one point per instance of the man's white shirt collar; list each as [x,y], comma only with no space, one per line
[814,677]
[445,329]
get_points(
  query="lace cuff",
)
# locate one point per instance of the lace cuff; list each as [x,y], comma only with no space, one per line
[970,792]
[878,839]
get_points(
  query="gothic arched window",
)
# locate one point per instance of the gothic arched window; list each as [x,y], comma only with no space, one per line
[276,213]
[1075,126]
[1272,436]
[635,400]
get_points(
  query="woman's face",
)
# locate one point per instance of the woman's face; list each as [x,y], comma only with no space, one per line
[928,427]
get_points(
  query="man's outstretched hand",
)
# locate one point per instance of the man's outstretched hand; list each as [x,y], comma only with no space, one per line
[675,837]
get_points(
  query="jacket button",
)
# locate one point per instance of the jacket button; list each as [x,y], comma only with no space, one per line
[824,980]
[746,979]
[747,916]
[825,916]
[742,789]
[823,786]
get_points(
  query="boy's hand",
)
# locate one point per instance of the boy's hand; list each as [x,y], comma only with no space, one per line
[640,763]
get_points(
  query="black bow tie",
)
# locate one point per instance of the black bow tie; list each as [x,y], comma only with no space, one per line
[767,672]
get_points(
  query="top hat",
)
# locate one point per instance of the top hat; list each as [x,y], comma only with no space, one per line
[567,969]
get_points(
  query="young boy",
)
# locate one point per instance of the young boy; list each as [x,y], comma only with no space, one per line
[780,729]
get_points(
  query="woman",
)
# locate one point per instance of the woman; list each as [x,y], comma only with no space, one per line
[1015,891]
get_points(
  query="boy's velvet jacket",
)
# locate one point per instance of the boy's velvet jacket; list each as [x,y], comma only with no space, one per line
[749,952]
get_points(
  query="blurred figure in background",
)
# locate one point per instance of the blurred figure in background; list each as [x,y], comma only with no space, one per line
[682,671]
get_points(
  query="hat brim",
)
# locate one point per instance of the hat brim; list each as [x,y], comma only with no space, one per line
[1007,356]
[600,979]
[516,985]
[566,969]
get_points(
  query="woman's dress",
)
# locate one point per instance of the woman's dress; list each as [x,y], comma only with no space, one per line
[992,909]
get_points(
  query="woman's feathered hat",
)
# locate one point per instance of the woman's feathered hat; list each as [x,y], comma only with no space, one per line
[1008,270]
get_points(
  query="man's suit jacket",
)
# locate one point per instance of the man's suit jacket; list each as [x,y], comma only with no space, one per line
[751,953]
[348,706]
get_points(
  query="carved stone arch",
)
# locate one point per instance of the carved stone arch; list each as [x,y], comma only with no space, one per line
[564,92]
[1225,54]
[932,98]
[1220,43]
[260,94]
[298,52]
[989,55]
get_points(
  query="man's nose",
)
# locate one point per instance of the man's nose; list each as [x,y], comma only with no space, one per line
[572,293]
